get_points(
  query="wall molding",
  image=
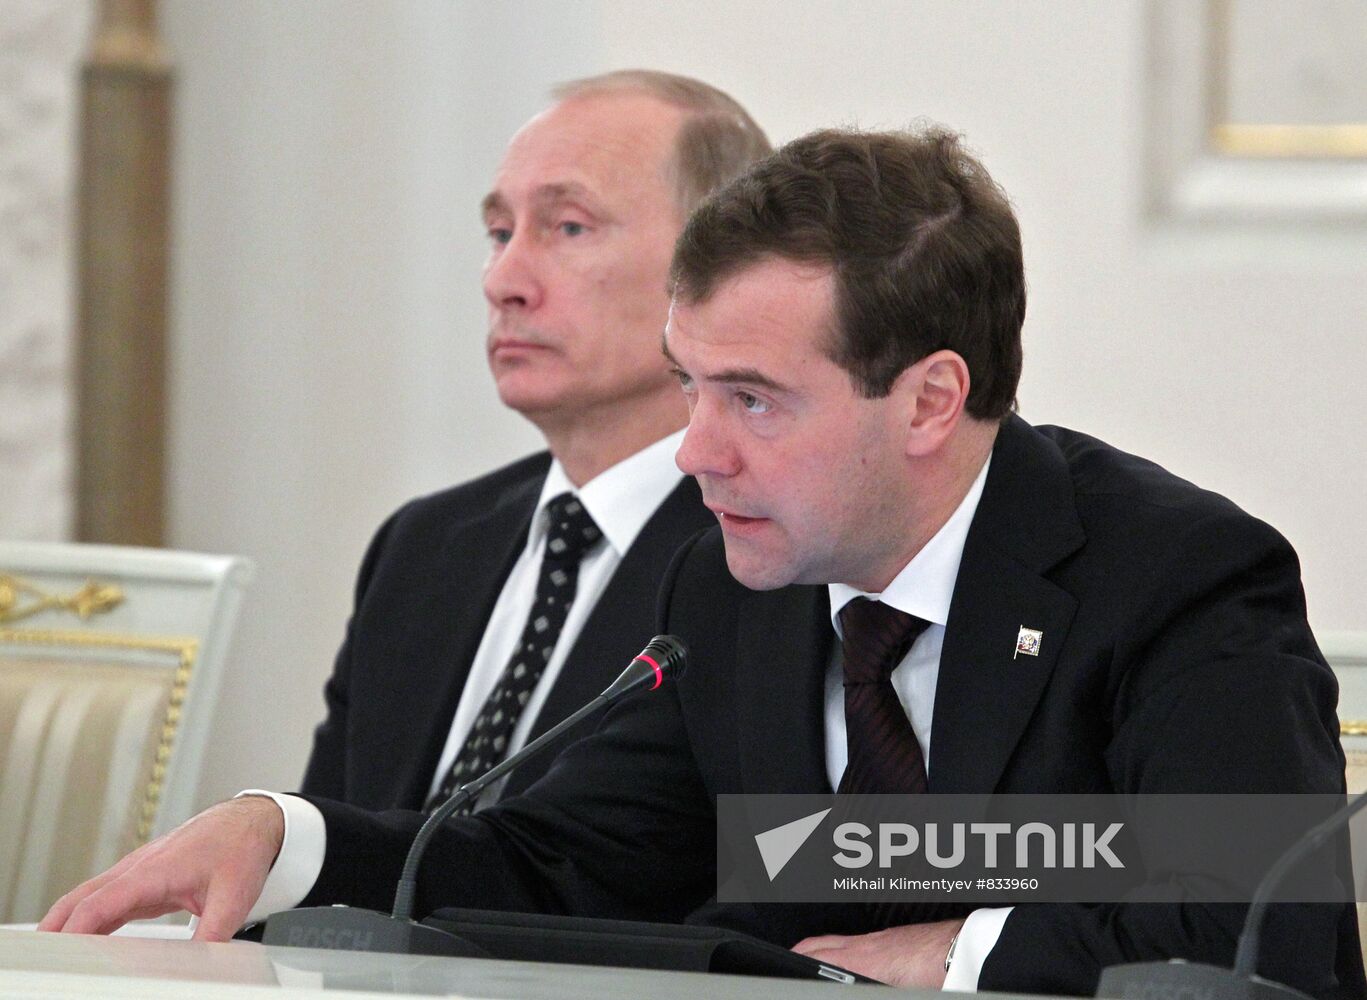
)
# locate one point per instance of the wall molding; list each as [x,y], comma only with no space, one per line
[1203,167]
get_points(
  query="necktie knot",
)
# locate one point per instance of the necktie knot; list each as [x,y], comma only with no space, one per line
[571,530]
[876,637]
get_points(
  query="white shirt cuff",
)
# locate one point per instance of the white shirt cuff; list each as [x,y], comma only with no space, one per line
[300,860]
[977,938]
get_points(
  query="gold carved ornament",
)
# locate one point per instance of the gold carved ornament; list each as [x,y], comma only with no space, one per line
[20,599]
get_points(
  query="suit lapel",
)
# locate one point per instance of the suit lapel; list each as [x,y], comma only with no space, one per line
[479,553]
[1026,523]
[783,647]
[987,692]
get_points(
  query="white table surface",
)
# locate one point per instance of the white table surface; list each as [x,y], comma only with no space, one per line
[65,965]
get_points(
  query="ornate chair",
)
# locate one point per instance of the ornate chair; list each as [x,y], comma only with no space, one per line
[1347,654]
[110,661]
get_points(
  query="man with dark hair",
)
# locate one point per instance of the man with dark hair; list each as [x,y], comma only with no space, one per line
[581,220]
[924,243]
[845,328]
[846,325]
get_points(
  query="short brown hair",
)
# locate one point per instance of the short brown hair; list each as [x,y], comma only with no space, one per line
[924,247]
[717,141]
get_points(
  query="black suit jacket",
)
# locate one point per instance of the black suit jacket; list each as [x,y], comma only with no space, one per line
[1175,658]
[426,588]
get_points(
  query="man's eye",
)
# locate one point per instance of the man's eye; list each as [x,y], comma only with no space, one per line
[752,403]
[500,235]
[572,228]
[685,380]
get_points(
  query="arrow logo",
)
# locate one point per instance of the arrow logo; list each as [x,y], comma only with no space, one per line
[777,846]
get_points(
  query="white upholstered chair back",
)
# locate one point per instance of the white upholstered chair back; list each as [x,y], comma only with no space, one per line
[110,662]
[1347,654]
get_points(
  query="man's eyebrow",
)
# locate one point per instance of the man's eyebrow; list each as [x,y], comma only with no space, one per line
[492,202]
[731,376]
[545,195]
[664,349]
[747,376]
[564,191]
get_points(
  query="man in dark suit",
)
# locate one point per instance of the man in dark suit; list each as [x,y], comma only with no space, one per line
[582,219]
[846,329]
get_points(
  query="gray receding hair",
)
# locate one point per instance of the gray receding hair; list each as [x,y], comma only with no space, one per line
[717,141]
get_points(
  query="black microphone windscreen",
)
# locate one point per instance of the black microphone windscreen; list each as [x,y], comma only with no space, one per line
[663,659]
[669,653]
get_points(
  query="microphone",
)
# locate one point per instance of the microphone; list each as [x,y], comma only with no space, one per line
[349,929]
[664,656]
[1181,978]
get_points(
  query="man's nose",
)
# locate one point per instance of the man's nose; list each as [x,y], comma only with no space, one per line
[512,277]
[707,448]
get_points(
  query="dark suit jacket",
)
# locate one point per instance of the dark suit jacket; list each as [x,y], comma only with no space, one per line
[426,589]
[1175,658]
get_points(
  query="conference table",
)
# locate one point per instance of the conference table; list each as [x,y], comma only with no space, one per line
[67,965]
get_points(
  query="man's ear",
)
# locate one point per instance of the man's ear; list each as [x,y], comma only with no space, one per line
[933,393]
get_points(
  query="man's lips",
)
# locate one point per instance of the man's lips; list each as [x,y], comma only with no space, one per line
[503,345]
[732,519]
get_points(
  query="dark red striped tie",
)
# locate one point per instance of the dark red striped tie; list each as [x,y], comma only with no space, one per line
[884,754]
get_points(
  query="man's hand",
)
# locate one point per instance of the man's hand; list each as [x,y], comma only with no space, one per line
[213,865]
[913,955]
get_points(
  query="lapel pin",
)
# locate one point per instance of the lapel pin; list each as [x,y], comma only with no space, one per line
[1027,642]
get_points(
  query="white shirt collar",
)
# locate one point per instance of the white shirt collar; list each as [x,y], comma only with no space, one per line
[620,499]
[925,585]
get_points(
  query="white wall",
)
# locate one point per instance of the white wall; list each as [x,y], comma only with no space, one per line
[327,318]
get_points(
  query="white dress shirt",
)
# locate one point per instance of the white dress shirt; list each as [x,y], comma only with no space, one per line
[923,588]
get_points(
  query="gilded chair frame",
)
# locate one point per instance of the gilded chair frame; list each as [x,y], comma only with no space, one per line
[146,608]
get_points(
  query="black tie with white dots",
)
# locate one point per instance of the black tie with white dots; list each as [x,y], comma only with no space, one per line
[570,534]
